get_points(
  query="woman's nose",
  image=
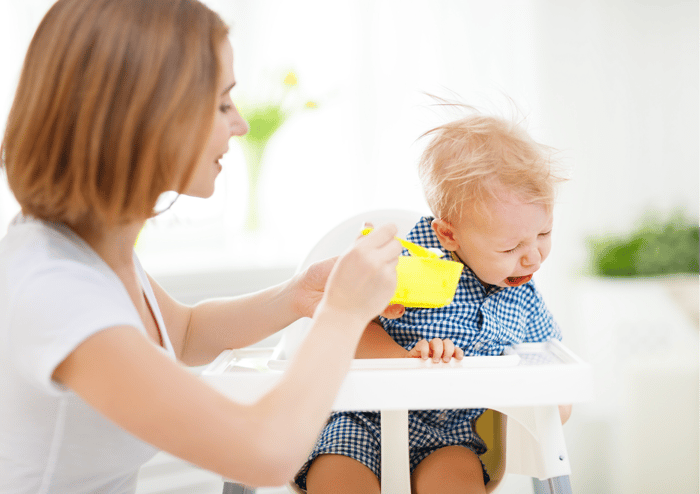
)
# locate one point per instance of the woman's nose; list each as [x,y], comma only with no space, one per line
[238,126]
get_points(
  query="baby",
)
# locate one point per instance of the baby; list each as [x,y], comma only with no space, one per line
[491,189]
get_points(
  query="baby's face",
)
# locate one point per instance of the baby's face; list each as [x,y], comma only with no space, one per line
[506,247]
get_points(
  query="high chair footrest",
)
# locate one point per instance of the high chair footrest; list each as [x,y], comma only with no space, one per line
[231,488]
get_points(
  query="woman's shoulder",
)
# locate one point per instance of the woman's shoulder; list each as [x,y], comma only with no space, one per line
[41,240]
[36,251]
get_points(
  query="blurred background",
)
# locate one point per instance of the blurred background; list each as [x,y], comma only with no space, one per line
[338,95]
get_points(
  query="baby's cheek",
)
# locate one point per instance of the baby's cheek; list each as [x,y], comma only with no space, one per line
[501,270]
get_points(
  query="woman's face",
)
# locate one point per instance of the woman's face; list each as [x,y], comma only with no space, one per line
[227,123]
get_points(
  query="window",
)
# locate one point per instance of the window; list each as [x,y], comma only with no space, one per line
[368,67]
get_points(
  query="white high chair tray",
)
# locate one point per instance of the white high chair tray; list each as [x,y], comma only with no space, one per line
[506,360]
[531,374]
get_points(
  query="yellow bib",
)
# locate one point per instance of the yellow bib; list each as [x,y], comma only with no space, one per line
[423,279]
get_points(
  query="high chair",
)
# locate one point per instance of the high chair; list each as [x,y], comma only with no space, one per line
[522,389]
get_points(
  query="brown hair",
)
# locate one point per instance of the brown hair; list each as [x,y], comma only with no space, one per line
[469,158]
[114,105]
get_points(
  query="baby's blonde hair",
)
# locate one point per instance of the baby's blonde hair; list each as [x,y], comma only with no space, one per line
[468,159]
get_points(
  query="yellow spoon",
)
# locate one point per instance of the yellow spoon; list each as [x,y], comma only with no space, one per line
[414,249]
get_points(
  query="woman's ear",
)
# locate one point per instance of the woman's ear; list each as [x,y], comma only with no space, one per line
[445,234]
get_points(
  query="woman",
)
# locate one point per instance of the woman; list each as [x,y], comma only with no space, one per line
[118,102]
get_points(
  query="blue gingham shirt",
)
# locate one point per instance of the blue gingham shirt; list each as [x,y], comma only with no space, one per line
[480,320]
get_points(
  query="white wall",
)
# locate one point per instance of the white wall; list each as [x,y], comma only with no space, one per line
[612,85]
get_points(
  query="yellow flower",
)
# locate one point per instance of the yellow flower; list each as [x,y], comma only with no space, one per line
[311,104]
[290,79]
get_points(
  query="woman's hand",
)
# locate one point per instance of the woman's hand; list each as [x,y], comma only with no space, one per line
[363,279]
[437,349]
[311,287]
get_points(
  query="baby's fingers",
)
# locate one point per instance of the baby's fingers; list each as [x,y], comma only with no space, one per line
[394,311]
[445,349]
[420,350]
[437,348]
[449,350]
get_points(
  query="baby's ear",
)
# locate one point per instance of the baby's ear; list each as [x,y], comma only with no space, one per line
[445,234]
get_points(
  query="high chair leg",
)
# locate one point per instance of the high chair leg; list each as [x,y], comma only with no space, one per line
[231,488]
[555,485]
[396,477]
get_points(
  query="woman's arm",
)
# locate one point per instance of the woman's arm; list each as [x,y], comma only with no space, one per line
[133,382]
[201,332]
[129,380]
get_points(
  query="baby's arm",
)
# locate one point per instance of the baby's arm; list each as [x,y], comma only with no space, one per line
[376,343]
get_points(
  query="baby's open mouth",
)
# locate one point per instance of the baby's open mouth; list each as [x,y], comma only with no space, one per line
[518,280]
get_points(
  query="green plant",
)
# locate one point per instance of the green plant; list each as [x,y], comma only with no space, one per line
[264,119]
[655,247]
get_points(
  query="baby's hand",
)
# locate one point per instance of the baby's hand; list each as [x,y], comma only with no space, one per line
[394,311]
[437,349]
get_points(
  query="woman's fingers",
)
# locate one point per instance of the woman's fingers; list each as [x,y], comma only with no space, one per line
[364,278]
[382,236]
[393,311]
[366,225]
